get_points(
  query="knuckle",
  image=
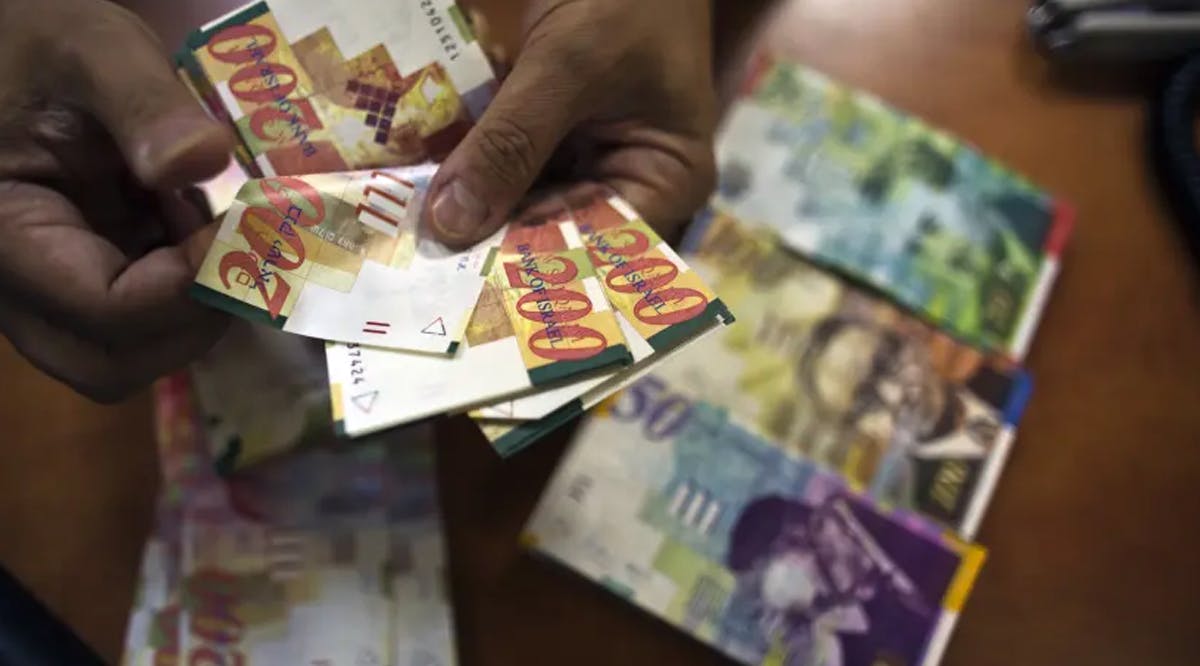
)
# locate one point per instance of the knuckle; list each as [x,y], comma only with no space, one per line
[507,150]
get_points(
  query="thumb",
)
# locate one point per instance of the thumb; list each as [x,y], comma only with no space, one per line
[166,138]
[490,171]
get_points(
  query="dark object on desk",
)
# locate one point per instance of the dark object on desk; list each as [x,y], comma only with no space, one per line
[30,635]
[1173,146]
[1115,30]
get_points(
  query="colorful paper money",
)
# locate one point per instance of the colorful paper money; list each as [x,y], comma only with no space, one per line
[323,557]
[666,503]
[542,320]
[313,87]
[342,256]
[856,185]
[904,412]
[662,305]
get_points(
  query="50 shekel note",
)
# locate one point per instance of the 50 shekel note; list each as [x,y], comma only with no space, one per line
[856,185]
[668,504]
[319,87]
[342,256]
[829,372]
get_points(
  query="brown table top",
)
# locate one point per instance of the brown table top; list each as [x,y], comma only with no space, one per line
[1093,535]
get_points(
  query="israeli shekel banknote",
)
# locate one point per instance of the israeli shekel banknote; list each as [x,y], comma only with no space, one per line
[342,256]
[661,304]
[827,371]
[564,301]
[863,188]
[325,557]
[321,87]
[668,504]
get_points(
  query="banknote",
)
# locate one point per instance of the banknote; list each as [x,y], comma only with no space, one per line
[343,256]
[314,87]
[543,319]
[676,509]
[662,306]
[868,190]
[325,557]
[826,370]
[660,303]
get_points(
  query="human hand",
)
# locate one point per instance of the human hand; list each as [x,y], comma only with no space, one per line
[97,246]
[615,93]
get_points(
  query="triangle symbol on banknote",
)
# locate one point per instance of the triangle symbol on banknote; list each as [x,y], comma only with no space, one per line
[365,401]
[437,327]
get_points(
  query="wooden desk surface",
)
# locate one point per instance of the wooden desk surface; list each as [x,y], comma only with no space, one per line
[1093,532]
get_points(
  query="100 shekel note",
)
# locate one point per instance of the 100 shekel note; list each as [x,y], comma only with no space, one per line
[317,87]
[342,257]
[666,503]
[542,320]
[661,305]
[856,185]
[828,372]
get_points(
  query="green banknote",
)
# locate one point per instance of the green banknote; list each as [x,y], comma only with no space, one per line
[863,188]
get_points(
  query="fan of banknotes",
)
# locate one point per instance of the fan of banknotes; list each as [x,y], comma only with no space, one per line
[799,488]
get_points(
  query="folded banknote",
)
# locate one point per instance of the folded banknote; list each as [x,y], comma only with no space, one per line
[564,294]
[320,87]
[863,188]
[904,412]
[342,256]
[330,556]
[668,504]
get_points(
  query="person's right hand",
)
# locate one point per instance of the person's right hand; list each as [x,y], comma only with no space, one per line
[97,245]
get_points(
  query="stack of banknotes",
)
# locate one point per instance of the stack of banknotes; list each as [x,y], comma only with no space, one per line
[802,488]
[341,116]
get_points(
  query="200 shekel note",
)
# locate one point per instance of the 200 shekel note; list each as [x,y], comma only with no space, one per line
[661,304]
[666,503]
[859,186]
[828,372]
[342,256]
[543,319]
[318,87]
[325,557]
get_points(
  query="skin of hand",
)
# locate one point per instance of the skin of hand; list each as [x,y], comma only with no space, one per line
[603,94]
[98,242]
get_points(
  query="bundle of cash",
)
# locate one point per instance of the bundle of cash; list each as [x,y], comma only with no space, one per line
[667,503]
[572,308]
[329,556]
[833,373]
[547,316]
[536,323]
[313,87]
[860,187]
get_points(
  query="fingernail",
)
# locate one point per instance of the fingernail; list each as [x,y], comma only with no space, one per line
[167,142]
[457,212]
